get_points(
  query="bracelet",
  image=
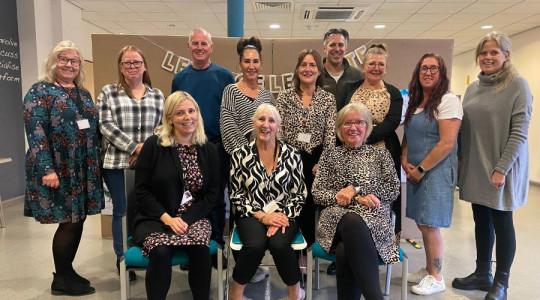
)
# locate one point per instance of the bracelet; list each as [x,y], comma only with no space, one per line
[260,219]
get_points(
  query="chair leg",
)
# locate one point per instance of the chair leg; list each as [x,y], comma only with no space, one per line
[124,283]
[317,273]
[388,277]
[227,272]
[220,272]
[309,285]
[404,274]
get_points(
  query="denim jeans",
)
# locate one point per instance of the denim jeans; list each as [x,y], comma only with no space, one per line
[114,179]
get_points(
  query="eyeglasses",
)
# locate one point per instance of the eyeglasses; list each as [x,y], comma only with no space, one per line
[356,123]
[64,60]
[373,64]
[433,69]
[136,64]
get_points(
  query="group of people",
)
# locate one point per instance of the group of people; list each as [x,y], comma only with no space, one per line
[328,144]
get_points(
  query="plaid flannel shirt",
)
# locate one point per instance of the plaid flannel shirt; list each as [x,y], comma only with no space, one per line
[126,122]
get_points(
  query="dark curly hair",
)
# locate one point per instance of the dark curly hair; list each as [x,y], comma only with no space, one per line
[251,43]
[416,92]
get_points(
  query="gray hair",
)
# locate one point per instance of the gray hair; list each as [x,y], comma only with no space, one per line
[354,107]
[49,68]
[200,30]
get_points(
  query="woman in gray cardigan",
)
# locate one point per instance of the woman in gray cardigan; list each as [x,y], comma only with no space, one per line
[494,174]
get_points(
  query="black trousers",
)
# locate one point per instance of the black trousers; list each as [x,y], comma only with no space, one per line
[255,243]
[158,273]
[357,266]
[488,223]
[217,215]
[307,215]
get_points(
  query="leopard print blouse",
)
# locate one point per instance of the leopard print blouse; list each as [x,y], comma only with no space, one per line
[373,169]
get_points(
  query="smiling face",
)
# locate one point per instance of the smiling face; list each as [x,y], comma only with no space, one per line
[250,64]
[307,70]
[491,58]
[265,127]
[184,119]
[129,71]
[374,68]
[429,78]
[353,129]
[66,72]
[201,48]
[335,49]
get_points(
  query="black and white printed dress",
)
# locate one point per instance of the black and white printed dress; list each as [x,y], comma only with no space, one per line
[373,169]
[252,188]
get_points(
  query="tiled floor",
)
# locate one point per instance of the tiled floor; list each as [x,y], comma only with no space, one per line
[26,261]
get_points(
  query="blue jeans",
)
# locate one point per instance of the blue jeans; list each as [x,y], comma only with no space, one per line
[114,179]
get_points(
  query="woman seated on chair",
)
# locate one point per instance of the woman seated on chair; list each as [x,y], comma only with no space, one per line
[175,188]
[356,183]
[268,191]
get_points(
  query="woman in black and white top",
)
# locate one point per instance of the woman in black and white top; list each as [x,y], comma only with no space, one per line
[308,113]
[241,99]
[267,188]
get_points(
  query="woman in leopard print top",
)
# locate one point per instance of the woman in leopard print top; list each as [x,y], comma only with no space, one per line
[356,183]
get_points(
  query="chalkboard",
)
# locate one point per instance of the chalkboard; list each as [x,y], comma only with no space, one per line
[12,179]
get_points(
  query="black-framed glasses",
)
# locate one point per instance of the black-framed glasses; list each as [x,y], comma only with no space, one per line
[74,61]
[432,69]
[135,63]
[356,123]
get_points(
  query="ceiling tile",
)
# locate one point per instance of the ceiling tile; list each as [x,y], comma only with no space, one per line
[389,27]
[517,26]
[524,8]
[222,7]
[137,25]
[196,17]
[321,27]
[404,33]
[394,18]
[189,7]
[306,33]
[149,16]
[446,7]
[251,32]
[487,7]
[120,16]
[265,33]
[415,26]
[532,19]
[147,6]
[147,31]
[422,18]
[265,17]
[439,34]
[92,16]
[451,26]
[399,8]
[467,18]
[171,25]
[105,6]
[107,24]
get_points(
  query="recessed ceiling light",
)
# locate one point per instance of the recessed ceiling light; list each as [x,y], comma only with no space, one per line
[274,26]
[487,27]
[379,26]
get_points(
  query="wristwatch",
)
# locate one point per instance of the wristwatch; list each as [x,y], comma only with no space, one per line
[421,169]
[356,187]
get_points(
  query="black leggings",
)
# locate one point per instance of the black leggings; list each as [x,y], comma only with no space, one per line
[65,244]
[488,224]
[254,244]
[158,273]
[357,266]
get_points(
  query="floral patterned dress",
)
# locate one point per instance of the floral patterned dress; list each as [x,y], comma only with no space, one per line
[57,145]
[197,233]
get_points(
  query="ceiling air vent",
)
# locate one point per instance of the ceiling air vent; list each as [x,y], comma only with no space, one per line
[332,13]
[272,6]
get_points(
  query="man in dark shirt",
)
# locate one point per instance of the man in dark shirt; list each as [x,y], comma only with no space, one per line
[337,72]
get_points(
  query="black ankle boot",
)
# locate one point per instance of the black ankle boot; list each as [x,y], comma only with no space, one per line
[68,285]
[499,287]
[79,278]
[481,279]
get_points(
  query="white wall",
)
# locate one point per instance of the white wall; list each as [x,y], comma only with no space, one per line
[526,46]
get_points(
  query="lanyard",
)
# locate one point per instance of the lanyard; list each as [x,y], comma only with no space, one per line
[79,102]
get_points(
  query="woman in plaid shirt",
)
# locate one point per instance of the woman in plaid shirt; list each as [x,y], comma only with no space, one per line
[129,110]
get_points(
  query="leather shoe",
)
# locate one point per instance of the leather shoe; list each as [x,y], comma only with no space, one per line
[498,290]
[474,281]
[68,285]
[331,270]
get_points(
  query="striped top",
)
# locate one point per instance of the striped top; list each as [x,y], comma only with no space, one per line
[125,122]
[252,188]
[235,117]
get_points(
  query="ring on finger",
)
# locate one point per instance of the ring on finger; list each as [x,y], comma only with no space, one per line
[371,202]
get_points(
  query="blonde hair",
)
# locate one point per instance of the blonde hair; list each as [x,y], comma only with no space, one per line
[165,131]
[354,107]
[49,67]
[508,72]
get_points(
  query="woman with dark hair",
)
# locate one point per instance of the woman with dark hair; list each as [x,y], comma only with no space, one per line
[385,102]
[63,179]
[429,157]
[240,100]
[129,110]
[175,187]
[308,114]
[494,173]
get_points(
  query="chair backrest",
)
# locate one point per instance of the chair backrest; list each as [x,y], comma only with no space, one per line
[131,211]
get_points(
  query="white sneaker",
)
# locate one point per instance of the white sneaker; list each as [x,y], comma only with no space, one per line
[260,275]
[418,276]
[429,285]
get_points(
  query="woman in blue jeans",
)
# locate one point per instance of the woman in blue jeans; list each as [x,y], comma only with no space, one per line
[129,110]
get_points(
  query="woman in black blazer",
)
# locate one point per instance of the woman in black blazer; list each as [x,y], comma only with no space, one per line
[175,188]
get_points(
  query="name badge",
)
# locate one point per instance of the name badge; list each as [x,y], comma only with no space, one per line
[186,197]
[304,137]
[83,124]
[270,207]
